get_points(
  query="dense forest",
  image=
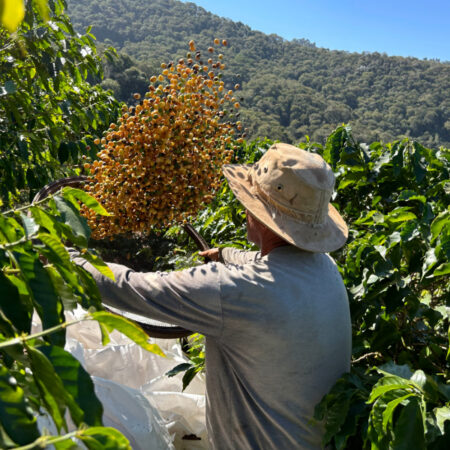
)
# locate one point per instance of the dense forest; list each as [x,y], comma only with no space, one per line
[290,88]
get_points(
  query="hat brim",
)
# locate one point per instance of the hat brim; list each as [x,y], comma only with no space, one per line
[323,238]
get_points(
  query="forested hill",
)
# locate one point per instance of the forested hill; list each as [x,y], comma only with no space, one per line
[290,88]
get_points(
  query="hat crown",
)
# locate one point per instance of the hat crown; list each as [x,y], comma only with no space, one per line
[289,191]
[294,181]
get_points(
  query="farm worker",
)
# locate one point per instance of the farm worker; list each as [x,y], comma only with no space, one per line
[276,321]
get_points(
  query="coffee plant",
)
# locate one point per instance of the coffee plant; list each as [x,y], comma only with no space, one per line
[37,376]
[49,113]
[395,265]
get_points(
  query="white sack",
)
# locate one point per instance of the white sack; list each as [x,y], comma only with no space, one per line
[148,407]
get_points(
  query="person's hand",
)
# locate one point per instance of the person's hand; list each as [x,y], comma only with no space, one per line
[213,254]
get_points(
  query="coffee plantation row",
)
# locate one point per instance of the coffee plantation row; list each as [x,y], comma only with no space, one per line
[395,198]
[395,266]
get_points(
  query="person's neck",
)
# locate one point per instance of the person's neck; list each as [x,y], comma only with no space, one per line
[268,245]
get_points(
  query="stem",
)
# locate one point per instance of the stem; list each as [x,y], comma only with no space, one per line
[23,208]
[29,337]
[44,441]
[22,240]
[367,355]
[9,271]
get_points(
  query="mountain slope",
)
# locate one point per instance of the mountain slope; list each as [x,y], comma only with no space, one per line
[290,88]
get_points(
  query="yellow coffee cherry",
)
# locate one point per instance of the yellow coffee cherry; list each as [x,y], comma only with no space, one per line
[161,162]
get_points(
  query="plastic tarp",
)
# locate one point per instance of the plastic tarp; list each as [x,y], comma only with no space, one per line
[139,400]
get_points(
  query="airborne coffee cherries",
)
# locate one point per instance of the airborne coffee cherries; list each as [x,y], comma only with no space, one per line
[161,162]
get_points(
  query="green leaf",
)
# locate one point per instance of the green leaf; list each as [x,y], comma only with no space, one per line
[380,390]
[448,340]
[443,269]
[333,146]
[5,440]
[44,219]
[45,299]
[336,414]
[430,261]
[372,279]
[72,218]
[23,148]
[419,162]
[65,278]
[442,250]
[8,229]
[390,408]
[409,428]
[77,383]
[442,220]
[370,218]
[349,179]
[189,376]
[42,6]
[408,195]
[16,417]
[400,215]
[419,378]
[52,389]
[130,329]
[390,368]
[350,427]
[85,198]
[30,226]
[67,444]
[177,369]
[92,296]
[55,250]
[17,309]
[375,424]
[99,264]
[442,415]
[105,334]
[10,87]
[104,438]
[64,291]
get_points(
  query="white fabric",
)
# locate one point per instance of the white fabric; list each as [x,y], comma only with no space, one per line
[139,400]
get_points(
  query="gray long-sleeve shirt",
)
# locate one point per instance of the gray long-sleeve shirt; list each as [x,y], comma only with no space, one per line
[277,338]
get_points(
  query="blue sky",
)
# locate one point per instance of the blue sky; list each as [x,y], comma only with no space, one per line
[418,28]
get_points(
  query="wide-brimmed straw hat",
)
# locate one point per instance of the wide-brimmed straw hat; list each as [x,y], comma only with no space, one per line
[289,191]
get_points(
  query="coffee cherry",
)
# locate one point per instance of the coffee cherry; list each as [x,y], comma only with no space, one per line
[160,163]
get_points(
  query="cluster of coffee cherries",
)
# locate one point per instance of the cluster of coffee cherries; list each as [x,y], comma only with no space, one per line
[161,162]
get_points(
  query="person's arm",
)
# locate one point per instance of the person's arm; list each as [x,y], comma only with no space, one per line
[230,255]
[189,298]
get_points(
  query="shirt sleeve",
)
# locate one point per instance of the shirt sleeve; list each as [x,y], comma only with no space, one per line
[232,255]
[188,298]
